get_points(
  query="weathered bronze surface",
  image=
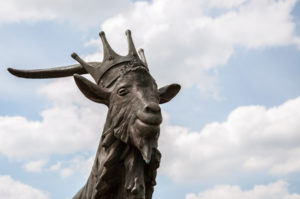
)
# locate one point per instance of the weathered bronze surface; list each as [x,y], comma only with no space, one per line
[127,157]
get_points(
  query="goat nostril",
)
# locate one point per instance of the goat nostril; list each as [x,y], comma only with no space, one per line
[152,107]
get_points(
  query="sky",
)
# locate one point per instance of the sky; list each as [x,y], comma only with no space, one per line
[233,131]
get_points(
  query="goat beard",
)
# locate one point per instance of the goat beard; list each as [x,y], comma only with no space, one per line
[122,127]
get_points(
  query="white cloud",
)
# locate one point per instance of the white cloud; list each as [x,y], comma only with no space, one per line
[55,166]
[78,163]
[225,4]
[276,190]
[79,13]
[11,189]
[252,138]
[183,40]
[35,166]
[83,164]
[66,172]
[71,124]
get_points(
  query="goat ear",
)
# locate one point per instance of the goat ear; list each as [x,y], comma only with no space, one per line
[91,90]
[166,93]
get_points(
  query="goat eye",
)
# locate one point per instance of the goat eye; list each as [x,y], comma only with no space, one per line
[123,91]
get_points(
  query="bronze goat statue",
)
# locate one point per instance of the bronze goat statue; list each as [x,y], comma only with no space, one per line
[127,157]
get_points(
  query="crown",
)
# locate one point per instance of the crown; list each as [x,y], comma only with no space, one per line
[112,59]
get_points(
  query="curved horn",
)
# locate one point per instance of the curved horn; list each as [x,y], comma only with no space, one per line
[63,71]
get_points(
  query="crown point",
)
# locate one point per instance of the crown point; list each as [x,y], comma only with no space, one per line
[101,34]
[74,55]
[128,32]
